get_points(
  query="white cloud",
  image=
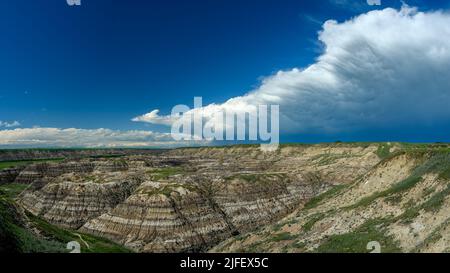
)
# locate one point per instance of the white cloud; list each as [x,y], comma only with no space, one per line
[72,137]
[385,68]
[154,118]
[9,124]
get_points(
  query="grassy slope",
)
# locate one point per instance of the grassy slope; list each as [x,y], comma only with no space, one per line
[15,236]
[435,159]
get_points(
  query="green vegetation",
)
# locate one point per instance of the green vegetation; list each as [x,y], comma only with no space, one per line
[433,204]
[284,236]
[164,173]
[16,237]
[314,202]
[384,150]
[356,241]
[107,156]
[428,191]
[12,164]
[445,174]
[337,143]
[434,237]
[168,189]
[400,187]
[312,221]
[330,158]
[436,162]
[258,178]
[425,147]
[88,243]
[241,237]
[12,190]
[436,201]
[278,226]
[298,245]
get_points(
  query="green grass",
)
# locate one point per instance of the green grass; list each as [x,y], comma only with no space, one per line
[96,244]
[445,174]
[312,221]
[12,164]
[433,204]
[436,162]
[12,190]
[436,201]
[434,237]
[356,241]
[15,237]
[298,245]
[315,201]
[258,178]
[384,150]
[329,158]
[168,189]
[277,227]
[284,236]
[428,191]
[164,173]
[398,188]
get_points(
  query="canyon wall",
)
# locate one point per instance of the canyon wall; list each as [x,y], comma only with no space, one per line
[187,200]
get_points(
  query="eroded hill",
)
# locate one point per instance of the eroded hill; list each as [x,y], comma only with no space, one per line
[402,203]
[335,197]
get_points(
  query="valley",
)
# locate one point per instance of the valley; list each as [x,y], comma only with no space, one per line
[334,197]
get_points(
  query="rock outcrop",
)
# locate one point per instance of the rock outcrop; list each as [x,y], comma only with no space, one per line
[187,199]
[71,200]
[174,216]
[9,175]
[402,204]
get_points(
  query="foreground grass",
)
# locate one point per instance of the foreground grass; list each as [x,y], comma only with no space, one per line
[16,237]
[12,190]
[356,241]
[88,243]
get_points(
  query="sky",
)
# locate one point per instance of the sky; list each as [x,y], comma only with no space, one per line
[339,69]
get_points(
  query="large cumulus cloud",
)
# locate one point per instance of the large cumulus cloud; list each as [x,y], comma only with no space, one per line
[385,68]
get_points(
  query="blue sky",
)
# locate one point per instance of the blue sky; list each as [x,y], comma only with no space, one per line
[100,64]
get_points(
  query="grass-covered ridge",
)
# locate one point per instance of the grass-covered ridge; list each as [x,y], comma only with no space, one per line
[17,163]
[16,235]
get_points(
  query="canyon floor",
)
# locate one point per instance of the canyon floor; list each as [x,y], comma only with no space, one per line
[338,197]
